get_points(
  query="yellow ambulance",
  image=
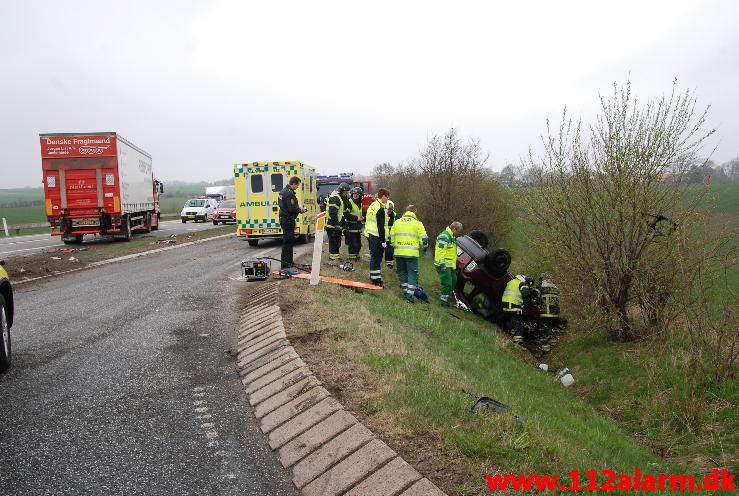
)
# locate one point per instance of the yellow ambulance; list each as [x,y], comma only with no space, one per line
[258,185]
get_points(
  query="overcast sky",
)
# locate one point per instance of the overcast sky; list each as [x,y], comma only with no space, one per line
[343,85]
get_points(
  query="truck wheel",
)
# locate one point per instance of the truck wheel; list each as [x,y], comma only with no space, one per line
[184,221]
[4,336]
[126,228]
[147,224]
[77,240]
[253,242]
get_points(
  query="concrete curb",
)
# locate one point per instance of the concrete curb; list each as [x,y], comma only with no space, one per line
[327,449]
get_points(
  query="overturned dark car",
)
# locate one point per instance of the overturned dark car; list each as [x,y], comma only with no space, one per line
[482,278]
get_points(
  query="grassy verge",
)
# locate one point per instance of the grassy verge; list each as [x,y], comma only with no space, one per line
[402,367]
[647,386]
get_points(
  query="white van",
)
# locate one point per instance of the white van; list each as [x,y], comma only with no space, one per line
[198,209]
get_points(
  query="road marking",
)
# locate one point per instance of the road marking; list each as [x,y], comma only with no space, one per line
[28,249]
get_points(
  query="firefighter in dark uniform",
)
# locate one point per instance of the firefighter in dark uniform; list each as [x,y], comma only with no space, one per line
[337,207]
[354,227]
[289,210]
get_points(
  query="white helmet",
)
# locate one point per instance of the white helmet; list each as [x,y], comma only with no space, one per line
[390,204]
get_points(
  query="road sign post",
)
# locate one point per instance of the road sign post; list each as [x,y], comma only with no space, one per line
[315,270]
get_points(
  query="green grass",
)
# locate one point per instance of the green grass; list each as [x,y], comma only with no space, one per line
[646,386]
[429,356]
[726,196]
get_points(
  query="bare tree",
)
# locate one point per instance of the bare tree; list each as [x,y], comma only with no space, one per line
[454,184]
[601,196]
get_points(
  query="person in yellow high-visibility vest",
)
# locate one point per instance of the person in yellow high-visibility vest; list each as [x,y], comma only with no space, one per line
[517,293]
[374,230]
[409,239]
[445,262]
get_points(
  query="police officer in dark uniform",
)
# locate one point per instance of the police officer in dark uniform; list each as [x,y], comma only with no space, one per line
[289,210]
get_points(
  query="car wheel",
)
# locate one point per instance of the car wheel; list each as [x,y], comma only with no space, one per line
[497,262]
[4,336]
[215,222]
[184,221]
[253,242]
[480,237]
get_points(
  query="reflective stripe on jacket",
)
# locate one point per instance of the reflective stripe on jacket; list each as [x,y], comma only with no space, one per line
[445,254]
[408,236]
[370,222]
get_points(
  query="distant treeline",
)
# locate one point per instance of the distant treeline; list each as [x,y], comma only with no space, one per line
[701,171]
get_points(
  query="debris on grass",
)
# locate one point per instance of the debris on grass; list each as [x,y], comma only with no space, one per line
[483,403]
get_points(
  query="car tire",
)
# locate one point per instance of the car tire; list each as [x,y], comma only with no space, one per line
[253,242]
[497,262]
[4,336]
[480,237]
[215,222]
[184,221]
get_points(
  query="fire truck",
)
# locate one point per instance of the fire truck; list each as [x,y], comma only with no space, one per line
[327,184]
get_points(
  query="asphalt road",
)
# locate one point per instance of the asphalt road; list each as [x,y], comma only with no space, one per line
[24,245]
[122,382]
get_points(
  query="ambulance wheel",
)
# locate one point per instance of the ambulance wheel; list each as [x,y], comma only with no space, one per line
[303,239]
[253,242]
[4,336]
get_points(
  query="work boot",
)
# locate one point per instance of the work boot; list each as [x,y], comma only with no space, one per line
[517,338]
[377,282]
[409,299]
